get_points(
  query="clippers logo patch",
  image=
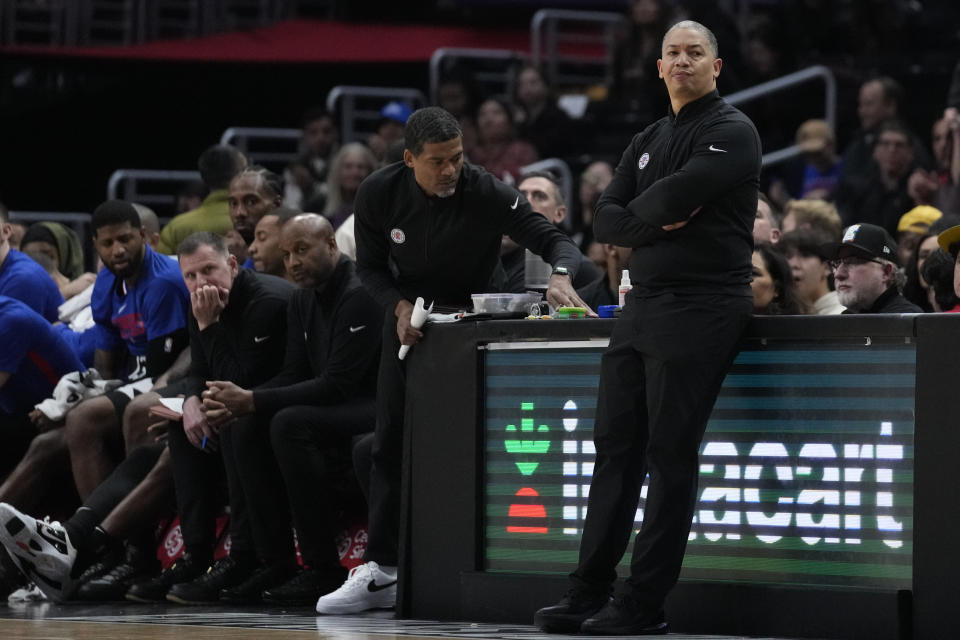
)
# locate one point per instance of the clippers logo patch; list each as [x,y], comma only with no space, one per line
[644,159]
[398,236]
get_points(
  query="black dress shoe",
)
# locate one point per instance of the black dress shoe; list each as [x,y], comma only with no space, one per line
[574,607]
[183,570]
[225,572]
[624,616]
[306,587]
[251,590]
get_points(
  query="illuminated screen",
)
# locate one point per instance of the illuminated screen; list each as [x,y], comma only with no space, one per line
[806,469]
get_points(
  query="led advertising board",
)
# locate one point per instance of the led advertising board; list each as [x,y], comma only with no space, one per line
[806,469]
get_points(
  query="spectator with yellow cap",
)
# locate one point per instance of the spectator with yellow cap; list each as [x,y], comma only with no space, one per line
[911,228]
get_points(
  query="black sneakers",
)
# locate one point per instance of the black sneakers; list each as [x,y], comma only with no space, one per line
[624,616]
[114,584]
[251,590]
[183,570]
[306,587]
[225,572]
[101,567]
[110,578]
[574,607]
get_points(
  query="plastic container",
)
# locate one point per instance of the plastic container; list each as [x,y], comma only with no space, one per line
[504,302]
[571,313]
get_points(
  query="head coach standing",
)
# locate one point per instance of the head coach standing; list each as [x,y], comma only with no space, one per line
[429,226]
[683,197]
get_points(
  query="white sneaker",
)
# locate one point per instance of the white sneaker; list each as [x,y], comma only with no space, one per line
[27,593]
[42,549]
[367,587]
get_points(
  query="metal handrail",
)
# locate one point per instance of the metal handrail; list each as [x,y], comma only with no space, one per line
[440,55]
[785,82]
[562,170]
[544,22]
[127,179]
[240,137]
[349,114]
[75,219]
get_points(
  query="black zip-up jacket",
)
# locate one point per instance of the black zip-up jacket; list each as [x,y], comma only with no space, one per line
[333,345]
[410,244]
[708,157]
[245,345]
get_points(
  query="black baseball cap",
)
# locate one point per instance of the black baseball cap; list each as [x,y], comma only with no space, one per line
[864,240]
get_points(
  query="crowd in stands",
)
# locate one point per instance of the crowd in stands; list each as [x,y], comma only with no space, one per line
[245,303]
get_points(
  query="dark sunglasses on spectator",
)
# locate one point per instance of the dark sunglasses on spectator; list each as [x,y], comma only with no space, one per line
[851,261]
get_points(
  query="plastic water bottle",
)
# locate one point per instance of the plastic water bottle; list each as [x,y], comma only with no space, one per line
[625,286]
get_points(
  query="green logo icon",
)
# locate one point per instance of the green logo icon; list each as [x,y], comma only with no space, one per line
[527,447]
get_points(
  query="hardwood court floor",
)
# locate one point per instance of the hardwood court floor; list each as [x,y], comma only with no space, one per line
[119,621]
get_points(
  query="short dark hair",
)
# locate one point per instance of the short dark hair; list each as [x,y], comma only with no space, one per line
[194,241]
[193,188]
[114,212]
[892,90]
[270,182]
[315,113]
[808,241]
[896,125]
[429,125]
[938,272]
[699,28]
[549,176]
[218,164]
[284,214]
[776,214]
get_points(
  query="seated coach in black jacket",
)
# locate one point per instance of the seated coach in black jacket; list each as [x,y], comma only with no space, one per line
[321,399]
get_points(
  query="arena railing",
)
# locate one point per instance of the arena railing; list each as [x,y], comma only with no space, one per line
[496,80]
[272,147]
[810,74]
[551,29]
[152,188]
[28,22]
[359,107]
[79,222]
